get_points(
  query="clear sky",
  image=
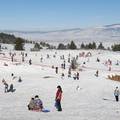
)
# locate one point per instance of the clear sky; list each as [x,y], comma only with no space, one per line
[57,14]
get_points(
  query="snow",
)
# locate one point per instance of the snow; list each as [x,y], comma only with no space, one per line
[86,103]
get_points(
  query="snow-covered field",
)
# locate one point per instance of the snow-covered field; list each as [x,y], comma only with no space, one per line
[40,78]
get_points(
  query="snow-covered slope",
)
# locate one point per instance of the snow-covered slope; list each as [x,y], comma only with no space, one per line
[86,103]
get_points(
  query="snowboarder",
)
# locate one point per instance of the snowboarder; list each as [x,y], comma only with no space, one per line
[58,98]
[116,94]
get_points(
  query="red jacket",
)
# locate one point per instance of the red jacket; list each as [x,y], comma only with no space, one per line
[58,95]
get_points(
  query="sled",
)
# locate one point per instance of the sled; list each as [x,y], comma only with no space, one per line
[45,110]
[38,110]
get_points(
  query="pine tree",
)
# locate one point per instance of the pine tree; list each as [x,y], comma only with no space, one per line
[100,46]
[61,46]
[19,44]
[93,45]
[82,46]
[72,45]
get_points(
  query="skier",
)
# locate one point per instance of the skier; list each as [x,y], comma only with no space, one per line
[58,98]
[116,94]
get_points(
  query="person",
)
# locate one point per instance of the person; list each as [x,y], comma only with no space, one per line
[69,72]
[97,73]
[31,104]
[56,70]
[58,98]
[19,80]
[6,85]
[116,94]
[38,103]
[77,76]
[30,62]
[11,89]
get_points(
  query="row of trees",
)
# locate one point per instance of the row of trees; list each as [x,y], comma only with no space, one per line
[116,47]
[72,45]
[19,44]
[92,46]
[68,46]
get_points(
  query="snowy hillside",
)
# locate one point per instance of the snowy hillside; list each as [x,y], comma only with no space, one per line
[109,34]
[93,100]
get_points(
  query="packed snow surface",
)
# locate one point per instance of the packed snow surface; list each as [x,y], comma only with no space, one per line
[94,100]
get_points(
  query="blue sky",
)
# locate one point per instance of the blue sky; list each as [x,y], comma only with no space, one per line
[57,14]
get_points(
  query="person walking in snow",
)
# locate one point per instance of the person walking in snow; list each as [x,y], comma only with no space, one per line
[116,94]
[58,98]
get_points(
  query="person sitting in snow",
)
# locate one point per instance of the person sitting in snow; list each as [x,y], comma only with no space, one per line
[31,104]
[38,103]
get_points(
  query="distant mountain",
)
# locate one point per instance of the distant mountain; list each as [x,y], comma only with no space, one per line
[107,33]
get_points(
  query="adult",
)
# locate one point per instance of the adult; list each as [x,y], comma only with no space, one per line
[58,98]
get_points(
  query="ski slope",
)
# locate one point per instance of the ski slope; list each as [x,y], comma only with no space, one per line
[94,100]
